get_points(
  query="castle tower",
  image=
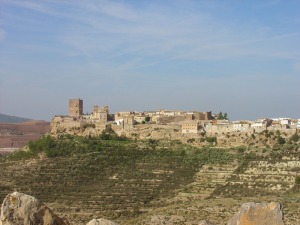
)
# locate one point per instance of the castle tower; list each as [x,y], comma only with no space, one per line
[95,109]
[75,107]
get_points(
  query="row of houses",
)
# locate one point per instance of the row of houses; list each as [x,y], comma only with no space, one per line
[223,126]
[159,117]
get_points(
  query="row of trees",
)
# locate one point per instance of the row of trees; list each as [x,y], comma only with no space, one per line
[222,116]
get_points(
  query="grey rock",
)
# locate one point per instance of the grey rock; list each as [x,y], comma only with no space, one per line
[21,209]
[258,214]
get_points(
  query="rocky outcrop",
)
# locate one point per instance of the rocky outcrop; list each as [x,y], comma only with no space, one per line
[258,214]
[101,222]
[21,209]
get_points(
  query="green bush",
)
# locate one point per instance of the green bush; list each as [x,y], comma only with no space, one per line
[211,139]
[213,156]
[18,155]
[92,125]
[297,180]
[241,149]
[280,140]
[191,140]
[295,138]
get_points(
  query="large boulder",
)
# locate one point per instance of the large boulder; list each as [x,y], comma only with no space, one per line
[21,209]
[258,214]
[101,222]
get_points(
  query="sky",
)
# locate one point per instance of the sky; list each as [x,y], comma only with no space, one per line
[239,57]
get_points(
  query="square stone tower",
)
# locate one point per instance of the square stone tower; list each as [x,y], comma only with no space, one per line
[75,107]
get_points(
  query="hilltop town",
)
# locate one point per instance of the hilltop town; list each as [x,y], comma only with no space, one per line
[158,167]
[188,126]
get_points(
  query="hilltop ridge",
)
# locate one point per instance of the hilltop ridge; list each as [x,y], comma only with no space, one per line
[12,119]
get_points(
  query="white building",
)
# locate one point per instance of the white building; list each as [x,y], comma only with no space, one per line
[241,126]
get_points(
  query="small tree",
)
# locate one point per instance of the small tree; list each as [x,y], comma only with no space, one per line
[295,138]
[211,139]
[280,140]
[225,117]
[220,116]
[147,119]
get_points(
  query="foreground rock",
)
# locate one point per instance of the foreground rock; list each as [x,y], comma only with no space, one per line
[101,222]
[258,214]
[22,209]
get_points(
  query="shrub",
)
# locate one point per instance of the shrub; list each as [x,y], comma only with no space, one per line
[280,140]
[268,135]
[191,140]
[110,134]
[92,125]
[297,180]
[211,139]
[241,149]
[295,138]
[18,155]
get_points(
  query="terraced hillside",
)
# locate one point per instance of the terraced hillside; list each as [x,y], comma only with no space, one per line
[218,190]
[273,179]
[209,178]
[139,182]
[115,179]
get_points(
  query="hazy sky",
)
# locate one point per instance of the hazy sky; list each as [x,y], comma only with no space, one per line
[239,57]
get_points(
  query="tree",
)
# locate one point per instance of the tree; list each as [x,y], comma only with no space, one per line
[280,140]
[225,116]
[147,119]
[295,137]
[220,116]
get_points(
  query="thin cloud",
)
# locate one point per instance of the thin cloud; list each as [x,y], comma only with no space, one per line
[2,34]
[110,8]
[39,7]
[149,32]
[297,67]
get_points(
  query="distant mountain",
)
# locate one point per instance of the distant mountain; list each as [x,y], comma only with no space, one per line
[12,119]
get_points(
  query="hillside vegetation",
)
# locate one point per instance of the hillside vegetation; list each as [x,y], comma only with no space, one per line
[133,182]
[104,176]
